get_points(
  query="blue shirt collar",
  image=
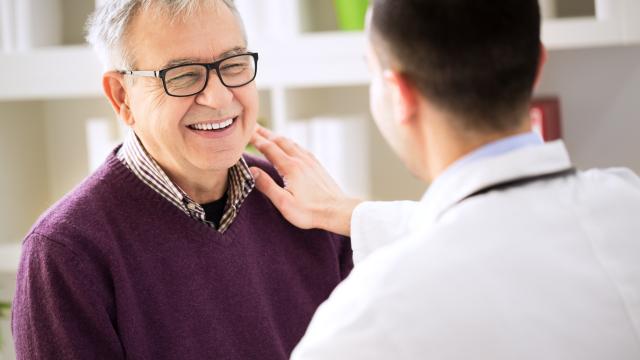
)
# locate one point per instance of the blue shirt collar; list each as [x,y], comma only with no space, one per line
[491,149]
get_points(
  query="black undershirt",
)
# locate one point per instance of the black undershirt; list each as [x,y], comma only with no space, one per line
[213,211]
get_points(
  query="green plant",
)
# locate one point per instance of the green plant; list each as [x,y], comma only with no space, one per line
[5,308]
[351,14]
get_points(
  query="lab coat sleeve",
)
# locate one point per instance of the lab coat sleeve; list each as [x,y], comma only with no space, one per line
[375,224]
[350,325]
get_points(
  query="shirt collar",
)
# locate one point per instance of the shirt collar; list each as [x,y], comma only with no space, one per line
[135,157]
[491,149]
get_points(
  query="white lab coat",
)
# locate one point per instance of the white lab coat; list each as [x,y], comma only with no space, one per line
[548,270]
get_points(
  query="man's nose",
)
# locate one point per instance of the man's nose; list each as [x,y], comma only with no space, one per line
[215,94]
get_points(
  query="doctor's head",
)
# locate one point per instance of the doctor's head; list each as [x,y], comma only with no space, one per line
[180,75]
[463,67]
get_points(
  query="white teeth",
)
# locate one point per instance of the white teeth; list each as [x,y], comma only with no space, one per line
[212,126]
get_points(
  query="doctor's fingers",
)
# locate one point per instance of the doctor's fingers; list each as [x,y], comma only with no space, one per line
[283,162]
[282,199]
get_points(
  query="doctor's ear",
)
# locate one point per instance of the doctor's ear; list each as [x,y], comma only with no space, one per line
[541,62]
[115,90]
[404,96]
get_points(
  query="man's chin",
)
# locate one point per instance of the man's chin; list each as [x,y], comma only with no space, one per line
[220,162]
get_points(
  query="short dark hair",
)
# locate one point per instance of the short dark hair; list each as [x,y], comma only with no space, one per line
[475,59]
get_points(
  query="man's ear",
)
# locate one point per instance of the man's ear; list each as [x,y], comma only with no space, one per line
[404,96]
[541,62]
[115,90]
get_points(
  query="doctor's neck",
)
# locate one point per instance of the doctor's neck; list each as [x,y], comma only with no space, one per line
[444,141]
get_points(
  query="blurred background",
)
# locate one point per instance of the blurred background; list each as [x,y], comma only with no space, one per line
[56,126]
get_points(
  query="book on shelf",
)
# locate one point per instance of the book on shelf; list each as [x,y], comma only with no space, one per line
[29,24]
[7,37]
[545,117]
[274,19]
[340,144]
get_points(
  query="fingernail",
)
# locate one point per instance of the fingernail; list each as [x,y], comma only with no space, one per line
[255,172]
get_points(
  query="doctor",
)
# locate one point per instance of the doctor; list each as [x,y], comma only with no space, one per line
[511,253]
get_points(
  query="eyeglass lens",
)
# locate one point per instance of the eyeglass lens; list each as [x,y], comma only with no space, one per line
[191,79]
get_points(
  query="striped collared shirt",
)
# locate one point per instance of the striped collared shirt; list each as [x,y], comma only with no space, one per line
[136,158]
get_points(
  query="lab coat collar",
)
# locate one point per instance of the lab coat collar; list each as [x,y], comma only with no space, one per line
[446,191]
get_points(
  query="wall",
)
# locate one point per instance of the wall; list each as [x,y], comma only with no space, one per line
[74,16]
[66,149]
[23,174]
[599,91]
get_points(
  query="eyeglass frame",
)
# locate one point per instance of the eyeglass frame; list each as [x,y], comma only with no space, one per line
[210,66]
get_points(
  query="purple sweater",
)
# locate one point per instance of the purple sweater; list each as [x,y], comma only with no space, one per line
[115,271]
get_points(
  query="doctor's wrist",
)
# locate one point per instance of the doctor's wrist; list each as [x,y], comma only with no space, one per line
[336,216]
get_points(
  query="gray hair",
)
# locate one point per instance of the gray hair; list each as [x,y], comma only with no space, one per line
[107,27]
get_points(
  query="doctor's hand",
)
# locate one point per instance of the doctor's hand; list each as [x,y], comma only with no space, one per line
[310,198]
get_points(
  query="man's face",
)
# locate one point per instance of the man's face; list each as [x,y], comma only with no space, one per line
[163,123]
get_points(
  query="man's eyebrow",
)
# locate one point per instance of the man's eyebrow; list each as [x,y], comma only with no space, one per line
[183,61]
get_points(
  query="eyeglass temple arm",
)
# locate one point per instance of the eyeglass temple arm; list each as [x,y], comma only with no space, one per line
[148,73]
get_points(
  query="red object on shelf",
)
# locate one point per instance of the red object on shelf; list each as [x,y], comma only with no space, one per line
[545,117]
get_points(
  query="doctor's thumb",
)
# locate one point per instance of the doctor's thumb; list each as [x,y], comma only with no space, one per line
[268,186]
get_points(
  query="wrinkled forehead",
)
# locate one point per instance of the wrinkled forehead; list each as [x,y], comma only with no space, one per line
[156,38]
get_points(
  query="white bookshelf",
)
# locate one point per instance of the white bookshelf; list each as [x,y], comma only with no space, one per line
[311,59]
[50,73]
[612,22]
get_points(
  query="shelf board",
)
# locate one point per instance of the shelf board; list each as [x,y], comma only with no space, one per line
[581,33]
[54,72]
[9,257]
[323,59]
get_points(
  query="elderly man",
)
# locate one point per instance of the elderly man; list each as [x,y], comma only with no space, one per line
[166,251]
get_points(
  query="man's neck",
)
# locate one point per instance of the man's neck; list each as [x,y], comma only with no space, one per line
[204,187]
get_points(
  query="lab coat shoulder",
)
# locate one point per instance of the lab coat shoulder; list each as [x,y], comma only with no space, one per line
[623,179]
[375,224]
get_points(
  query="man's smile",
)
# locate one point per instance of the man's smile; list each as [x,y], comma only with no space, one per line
[213,125]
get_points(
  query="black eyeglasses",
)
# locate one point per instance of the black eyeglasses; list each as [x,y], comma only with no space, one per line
[190,79]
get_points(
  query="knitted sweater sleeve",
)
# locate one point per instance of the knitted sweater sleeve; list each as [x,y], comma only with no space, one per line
[59,310]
